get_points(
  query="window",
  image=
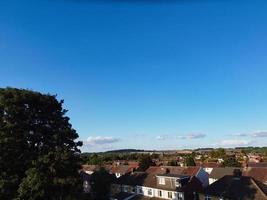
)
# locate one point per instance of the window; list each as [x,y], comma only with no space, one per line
[159,193]
[170,195]
[161,181]
[178,183]
[149,192]
[207,197]
[180,196]
[140,190]
[126,188]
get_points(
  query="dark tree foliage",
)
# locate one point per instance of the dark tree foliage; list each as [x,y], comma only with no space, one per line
[95,159]
[100,183]
[189,161]
[145,162]
[172,163]
[39,158]
[102,158]
[219,153]
[231,162]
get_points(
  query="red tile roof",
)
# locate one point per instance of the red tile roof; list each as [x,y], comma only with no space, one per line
[258,173]
[123,169]
[191,171]
[209,164]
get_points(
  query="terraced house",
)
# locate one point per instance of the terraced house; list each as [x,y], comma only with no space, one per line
[177,183]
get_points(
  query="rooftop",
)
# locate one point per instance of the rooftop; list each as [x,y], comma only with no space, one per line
[172,175]
[233,187]
[220,172]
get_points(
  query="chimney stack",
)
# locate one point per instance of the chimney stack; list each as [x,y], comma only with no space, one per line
[237,172]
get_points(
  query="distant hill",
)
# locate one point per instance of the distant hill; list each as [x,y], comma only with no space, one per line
[114,151]
[125,151]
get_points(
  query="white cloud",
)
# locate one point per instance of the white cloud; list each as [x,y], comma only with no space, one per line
[259,134]
[193,136]
[234,143]
[159,137]
[100,140]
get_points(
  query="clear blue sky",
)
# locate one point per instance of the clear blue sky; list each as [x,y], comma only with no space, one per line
[136,74]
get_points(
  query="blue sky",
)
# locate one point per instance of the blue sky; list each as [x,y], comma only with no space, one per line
[138,74]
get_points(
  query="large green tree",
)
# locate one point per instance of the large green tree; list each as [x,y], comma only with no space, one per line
[145,162]
[39,155]
[189,161]
[231,162]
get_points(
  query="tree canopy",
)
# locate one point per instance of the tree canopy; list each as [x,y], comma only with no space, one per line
[39,154]
[189,161]
[231,162]
[145,162]
[219,153]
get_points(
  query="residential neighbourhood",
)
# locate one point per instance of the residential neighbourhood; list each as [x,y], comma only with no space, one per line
[205,180]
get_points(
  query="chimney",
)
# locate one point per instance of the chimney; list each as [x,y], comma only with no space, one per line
[165,170]
[237,172]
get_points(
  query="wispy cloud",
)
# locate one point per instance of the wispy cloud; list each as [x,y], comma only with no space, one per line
[259,134]
[234,143]
[240,134]
[192,136]
[254,134]
[101,140]
[160,137]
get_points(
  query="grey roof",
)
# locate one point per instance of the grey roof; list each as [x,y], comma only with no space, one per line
[235,188]
[220,172]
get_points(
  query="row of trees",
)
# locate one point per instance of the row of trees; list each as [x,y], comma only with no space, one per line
[101,158]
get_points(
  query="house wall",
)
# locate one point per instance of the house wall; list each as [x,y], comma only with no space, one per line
[208,169]
[118,175]
[86,187]
[128,188]
[155,193]
[204,197]
[89,172]
[212,180]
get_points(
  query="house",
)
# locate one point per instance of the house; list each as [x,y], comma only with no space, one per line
[90,169]
[162,182]
[220,172]
[123,169]
[234,187]
[86,181]
[209,166]
[254,158]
